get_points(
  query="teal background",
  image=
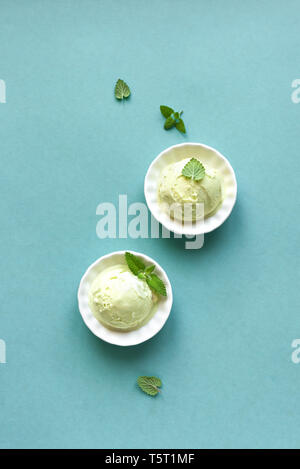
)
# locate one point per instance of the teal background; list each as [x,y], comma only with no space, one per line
[67,145]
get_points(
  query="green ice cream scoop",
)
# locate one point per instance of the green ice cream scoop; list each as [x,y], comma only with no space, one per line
[177,190]
[120,300]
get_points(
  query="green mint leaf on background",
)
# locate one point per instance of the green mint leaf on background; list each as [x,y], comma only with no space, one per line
[149,384]
[122,89]
[156,284]
[166,111]
[134,263]
[170,122]
[172,119]
[180,126]
[194,169]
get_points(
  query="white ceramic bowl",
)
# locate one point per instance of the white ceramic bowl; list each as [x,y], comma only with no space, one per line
[123,338]
[211,158]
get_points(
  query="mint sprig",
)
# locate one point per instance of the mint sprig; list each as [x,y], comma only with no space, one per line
[172,119]
[149,384]
[194,169]
[122,90]
[139,269]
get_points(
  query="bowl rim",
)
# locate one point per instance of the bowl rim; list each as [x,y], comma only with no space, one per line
[156,214]
[116,334]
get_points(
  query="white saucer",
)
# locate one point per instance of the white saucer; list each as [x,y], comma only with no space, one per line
[210,158]
[123,338]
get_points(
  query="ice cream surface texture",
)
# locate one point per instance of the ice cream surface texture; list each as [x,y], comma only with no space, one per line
[174,188]
[120,300]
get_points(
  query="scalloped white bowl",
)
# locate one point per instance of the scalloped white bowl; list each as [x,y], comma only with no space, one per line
[123,338]
[211,158]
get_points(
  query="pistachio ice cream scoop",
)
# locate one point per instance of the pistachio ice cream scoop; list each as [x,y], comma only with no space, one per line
[176,190]
[120,300]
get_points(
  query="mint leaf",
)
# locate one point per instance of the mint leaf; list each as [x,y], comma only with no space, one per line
[122,89]
[134,263]
[180,126]
[156,284]
[166,111]
[172,118]
[194,169]
[149,269]
[149,384]
[169,123]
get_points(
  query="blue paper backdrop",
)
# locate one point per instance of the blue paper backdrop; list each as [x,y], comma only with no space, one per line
[66,145]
